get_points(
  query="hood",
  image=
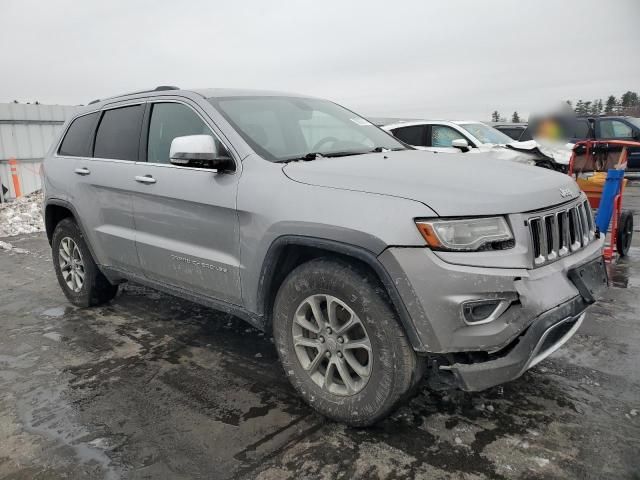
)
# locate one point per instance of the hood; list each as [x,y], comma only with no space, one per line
[504,152]
[450,184]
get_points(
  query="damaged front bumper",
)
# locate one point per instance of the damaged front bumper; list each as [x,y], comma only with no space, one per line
[543,337]
[537,311]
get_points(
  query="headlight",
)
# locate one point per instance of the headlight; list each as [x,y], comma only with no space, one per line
[492,233]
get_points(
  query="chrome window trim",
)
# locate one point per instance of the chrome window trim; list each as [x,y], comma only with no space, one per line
[144,101]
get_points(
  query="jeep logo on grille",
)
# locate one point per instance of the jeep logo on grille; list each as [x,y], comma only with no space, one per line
[566,192]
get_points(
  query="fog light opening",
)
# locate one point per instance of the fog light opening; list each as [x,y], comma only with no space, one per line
[477,312]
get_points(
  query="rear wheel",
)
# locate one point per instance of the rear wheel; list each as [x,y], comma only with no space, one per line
[625,233]
[341,344]
[78,275]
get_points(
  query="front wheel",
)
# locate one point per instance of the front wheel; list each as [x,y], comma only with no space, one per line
[340,342]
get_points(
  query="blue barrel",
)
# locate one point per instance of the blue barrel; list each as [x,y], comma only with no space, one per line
[611,188]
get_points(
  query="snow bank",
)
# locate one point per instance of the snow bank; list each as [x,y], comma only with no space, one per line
[21,216]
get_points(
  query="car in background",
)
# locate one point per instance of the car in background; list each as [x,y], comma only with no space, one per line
[611,128]
[446,136]
[441,136]
[518,131]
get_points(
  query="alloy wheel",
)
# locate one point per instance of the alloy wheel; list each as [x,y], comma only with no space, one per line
[332,345]
[71,264]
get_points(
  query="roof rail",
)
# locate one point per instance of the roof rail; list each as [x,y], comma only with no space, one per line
[159,88]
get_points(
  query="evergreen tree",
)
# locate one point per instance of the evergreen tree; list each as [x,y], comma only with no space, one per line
[610,105]
[495,116]
[587,108]
[515,118]
[597,107]
[580,108]
[629,99]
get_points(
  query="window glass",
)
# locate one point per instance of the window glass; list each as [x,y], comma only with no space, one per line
[582,130]
[118,134]
[615,129]
[171,120]
[283,128]
[486,134]
[413,135]
[77,141]
[512,132]
[442,136]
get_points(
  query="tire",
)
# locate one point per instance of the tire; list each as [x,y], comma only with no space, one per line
[69,243]
[625,233]
[390,366]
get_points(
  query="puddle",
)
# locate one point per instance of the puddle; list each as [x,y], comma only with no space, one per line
[55,312]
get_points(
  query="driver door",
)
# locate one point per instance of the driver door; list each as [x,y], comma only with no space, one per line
[187,232]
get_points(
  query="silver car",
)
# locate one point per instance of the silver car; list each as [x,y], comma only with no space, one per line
[372,264]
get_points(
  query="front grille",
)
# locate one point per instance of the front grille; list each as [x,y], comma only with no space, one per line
[561,232]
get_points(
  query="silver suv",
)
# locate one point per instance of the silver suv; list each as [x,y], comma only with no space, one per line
[371,263]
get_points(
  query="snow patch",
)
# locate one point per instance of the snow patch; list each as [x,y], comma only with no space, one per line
[21,216]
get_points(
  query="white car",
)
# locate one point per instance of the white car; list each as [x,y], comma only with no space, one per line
[444,136]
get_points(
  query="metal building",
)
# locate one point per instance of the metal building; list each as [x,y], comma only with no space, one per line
[26,133]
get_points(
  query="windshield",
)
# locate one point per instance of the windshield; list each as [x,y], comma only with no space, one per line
[635,121]
[486,134]
[286,128]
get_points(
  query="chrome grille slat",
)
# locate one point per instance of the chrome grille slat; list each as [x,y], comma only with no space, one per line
[559,232]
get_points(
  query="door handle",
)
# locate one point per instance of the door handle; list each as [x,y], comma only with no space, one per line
[145,179]
[82,171]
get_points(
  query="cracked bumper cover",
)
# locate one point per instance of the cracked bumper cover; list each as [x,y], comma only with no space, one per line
[543,337]
[545,312]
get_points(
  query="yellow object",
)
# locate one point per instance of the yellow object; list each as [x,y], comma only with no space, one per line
[593,186]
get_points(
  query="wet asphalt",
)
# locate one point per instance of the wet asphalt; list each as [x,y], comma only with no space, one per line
[152,387]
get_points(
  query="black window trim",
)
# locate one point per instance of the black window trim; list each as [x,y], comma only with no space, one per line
[144,135]
[66,130]
[105,109]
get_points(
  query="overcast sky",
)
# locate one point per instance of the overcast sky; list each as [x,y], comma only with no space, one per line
[430,59]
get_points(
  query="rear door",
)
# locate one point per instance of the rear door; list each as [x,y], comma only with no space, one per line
[103,190]
[187,231]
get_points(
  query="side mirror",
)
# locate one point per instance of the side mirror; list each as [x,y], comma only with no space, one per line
[197,151]
[461,143]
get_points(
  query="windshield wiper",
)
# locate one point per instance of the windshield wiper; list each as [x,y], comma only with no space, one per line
[315,155]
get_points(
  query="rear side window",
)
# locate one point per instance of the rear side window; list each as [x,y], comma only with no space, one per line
[118,134]
[582,130]
[77,141]
[413,135]
[512,132]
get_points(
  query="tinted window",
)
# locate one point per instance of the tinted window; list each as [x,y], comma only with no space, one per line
[77,141]
[615,129]
[582,130]
[442,136]
[412,135]
[119,133]
[512,132]
[171,120]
